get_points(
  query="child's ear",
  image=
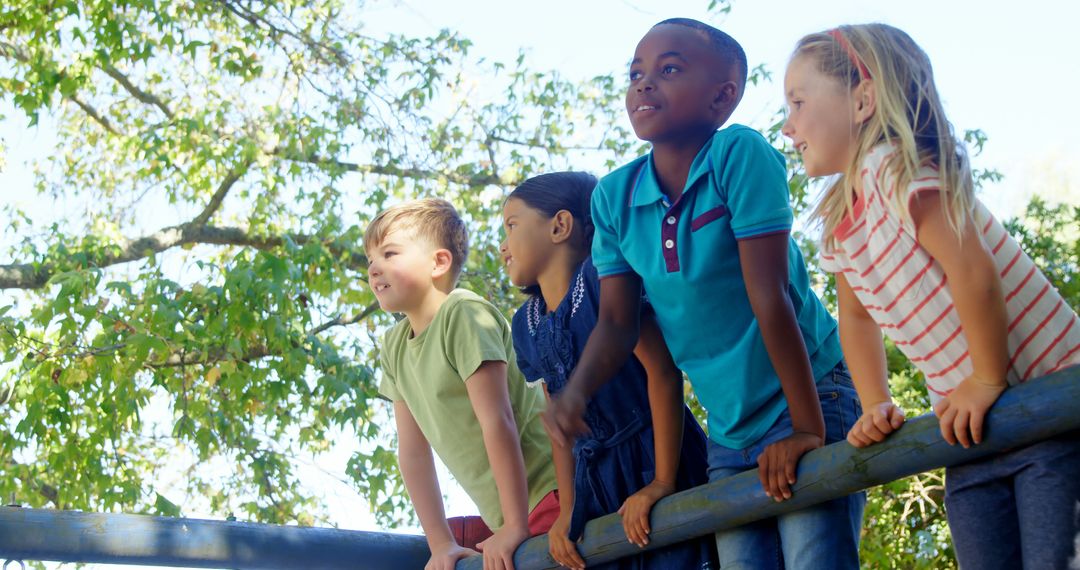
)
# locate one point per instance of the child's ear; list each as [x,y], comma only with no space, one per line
[727,96]
[562,226]
[443,261]
[865,99]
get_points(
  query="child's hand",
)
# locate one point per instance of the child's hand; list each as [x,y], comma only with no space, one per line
[564,417]
[445,557]
[499,548]
[961,413]
[635,511]
[876,423]
[776,465]
[560,546]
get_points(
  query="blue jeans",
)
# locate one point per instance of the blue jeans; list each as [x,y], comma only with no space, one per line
[817,537]
[1017,509]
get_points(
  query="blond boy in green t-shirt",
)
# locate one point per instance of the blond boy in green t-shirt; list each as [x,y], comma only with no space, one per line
[450,370]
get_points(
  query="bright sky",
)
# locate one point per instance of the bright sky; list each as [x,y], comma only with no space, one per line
[1003,67]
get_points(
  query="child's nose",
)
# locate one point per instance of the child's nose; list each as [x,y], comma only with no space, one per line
[786,129]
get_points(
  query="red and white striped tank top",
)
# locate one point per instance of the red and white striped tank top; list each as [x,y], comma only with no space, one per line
[904,289]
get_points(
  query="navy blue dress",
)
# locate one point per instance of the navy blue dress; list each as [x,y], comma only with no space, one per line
[617,459]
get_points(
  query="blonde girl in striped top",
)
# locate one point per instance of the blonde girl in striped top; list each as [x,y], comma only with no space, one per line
[918,258]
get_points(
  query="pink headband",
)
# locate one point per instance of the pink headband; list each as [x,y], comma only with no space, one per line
[864,73]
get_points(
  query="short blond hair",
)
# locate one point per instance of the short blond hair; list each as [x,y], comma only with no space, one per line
[433,219]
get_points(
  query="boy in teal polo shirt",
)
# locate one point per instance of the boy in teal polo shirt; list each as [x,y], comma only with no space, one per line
[703,222]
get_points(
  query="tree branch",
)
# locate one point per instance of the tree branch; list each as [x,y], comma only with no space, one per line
[35,276]
[474,181]
[259,351]
[135,91]
[215,201]
[92,112]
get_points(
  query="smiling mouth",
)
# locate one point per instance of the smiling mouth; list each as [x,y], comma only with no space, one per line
[641,108]
[801,147]
[382,287]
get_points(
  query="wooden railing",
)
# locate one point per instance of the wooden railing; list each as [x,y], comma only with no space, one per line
[1025,414]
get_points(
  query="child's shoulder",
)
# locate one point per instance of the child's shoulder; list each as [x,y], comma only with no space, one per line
[740,138]
[461,301]
[622,178]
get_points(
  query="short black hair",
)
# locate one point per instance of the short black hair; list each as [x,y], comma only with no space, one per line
[722,45]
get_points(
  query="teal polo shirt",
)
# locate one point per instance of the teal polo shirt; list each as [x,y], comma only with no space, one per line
[687,256]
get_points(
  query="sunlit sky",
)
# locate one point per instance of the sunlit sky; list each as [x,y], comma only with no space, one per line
[1007,68]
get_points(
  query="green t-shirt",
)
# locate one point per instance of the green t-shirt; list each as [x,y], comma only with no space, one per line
[428,373]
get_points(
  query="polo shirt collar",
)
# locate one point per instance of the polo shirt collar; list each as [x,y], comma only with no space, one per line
[647,189]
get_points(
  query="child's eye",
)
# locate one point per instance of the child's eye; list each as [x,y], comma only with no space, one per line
[388,254]
[669,69]
[635,75]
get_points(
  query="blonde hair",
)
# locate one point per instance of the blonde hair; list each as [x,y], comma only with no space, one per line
[432,219]
[908,115]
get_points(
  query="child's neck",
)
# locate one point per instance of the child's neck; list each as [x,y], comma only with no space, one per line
[421,315]
[672,161]
[554,282]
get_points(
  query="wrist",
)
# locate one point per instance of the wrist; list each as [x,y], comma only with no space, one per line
[441,544]
[995,381]
[516,528]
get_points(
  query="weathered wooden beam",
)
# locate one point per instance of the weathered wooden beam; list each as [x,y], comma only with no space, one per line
[46,534]
[1025,414]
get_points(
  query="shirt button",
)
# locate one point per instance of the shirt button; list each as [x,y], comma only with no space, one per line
[669,244]
[671,220]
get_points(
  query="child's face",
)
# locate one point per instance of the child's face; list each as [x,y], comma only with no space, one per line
[400,270]
[821,118]
[528,242]
[675,85]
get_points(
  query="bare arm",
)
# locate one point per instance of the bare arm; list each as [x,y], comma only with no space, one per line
[418,470]
[490,400]
[975,285]
[665,387]
[612,341]
[764,263]
[860,337]
[559,545]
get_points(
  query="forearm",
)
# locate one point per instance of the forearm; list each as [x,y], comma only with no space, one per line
[864,350]
[421,482]
[508,468]
[563,458]
[666,401]
[980,305]
[787,352]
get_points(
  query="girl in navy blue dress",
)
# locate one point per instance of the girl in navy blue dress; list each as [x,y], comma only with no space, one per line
[644,443]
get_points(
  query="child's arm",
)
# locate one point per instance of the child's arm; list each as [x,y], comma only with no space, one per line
[666,401]
[976,291]
[418,470]
[860,337]
[560,546]
[764,263]
[610,344]
[490,400]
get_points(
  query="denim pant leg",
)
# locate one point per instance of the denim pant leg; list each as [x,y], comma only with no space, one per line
[1016,509]
[827,535]
[752,546]
[821,536]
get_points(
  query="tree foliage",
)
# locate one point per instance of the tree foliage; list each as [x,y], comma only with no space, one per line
[228,155]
